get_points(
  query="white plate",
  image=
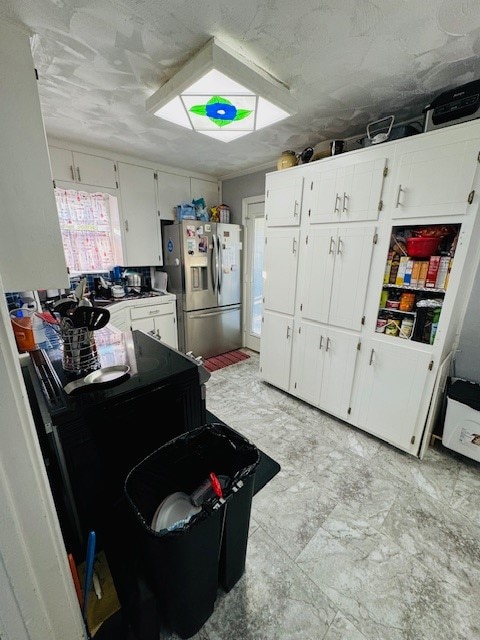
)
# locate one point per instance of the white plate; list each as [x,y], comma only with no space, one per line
[175,507]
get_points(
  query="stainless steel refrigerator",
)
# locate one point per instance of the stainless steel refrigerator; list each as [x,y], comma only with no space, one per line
[203,263]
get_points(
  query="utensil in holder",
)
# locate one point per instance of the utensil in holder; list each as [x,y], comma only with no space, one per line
[79,349]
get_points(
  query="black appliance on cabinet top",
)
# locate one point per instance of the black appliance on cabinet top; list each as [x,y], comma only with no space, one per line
[454,106]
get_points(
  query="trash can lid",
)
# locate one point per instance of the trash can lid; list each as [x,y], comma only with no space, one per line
[465,392]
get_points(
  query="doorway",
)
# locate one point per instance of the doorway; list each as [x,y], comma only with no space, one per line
[253,220]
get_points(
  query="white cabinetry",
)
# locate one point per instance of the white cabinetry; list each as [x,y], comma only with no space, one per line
[319,338]
[31,249]
[434,176]
[141,223]
[393,381]
[172,189]
[82,168]
[335,274]
[276,351]
[283,202]
[119,316]
[347,190]
[205,189]
[158,318]
[323,365]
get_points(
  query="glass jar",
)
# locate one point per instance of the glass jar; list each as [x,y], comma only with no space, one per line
[287,159]
[407,301]
[392,328]
[406,328]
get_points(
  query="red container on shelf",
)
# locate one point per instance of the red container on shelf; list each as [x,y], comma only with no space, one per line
[422,247]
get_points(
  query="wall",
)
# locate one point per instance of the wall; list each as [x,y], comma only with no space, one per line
[235,189]
[467,358]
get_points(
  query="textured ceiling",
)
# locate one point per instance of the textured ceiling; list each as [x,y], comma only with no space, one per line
[347,63]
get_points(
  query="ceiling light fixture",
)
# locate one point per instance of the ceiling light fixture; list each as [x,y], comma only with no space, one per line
[222,95]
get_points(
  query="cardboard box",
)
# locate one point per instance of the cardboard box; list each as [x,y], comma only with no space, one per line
[432,272]
[442,272]
[401,271]
[407,278]
[422,276]
[415,273]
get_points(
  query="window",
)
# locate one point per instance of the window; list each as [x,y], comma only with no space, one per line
[89,223]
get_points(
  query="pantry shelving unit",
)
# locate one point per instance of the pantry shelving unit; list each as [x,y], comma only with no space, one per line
[329,229]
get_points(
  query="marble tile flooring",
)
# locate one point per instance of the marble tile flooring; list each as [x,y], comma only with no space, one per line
[353,539]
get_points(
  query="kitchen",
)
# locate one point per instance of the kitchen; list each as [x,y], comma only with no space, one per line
[15,257]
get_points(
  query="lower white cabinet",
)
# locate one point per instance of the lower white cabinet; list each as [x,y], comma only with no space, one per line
[158,319]
[119,316]
[391,383]
[323,366]
[275,354]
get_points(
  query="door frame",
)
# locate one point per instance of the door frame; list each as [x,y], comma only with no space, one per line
[248,341]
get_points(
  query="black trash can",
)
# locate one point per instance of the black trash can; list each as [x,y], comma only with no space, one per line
[187,562]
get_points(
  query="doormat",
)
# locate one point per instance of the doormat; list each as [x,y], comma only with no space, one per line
[224,360]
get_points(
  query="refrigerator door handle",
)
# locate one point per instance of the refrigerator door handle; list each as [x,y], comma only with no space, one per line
[214,258]
[220,264]
[196,316]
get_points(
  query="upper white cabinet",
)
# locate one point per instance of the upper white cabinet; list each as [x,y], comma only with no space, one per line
[172,189]
[141,224]
[347,189]
[434,177]
[82,168]
[30,226]
[335,274]
[283,201]
[205,189]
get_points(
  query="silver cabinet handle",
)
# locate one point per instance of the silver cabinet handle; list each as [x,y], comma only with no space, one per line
[288,332]
[371,356]
[339,243]
[328,344]
[295,208]
[294,248]
[72,171]
[345,198]
[126,225]
[398,203]
[321,342]
[332,241]
[337,208]
[78,174]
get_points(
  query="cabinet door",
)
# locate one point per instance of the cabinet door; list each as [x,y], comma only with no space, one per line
[171,191]
[353,254]
[307,362]
[340,351]
[391,385]
[143,324]
[280,269]
[276,349]
[317,274]
[348,190]
[204,189]
[31,250]
[141,224]
[361,192]
[61,162]
[95,170]
[435,180]
[166,329]
[283,202]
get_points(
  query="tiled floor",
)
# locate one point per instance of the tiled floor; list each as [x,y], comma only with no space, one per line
[352,540]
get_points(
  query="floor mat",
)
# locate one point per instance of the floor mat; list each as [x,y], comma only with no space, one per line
[224,360]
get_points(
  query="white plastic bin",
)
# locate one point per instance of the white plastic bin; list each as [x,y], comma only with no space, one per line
[461,430]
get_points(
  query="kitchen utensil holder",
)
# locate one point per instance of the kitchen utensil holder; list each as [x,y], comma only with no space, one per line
[79,350]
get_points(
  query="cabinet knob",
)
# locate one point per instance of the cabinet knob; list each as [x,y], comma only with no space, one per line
[336,207]
[398,203]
